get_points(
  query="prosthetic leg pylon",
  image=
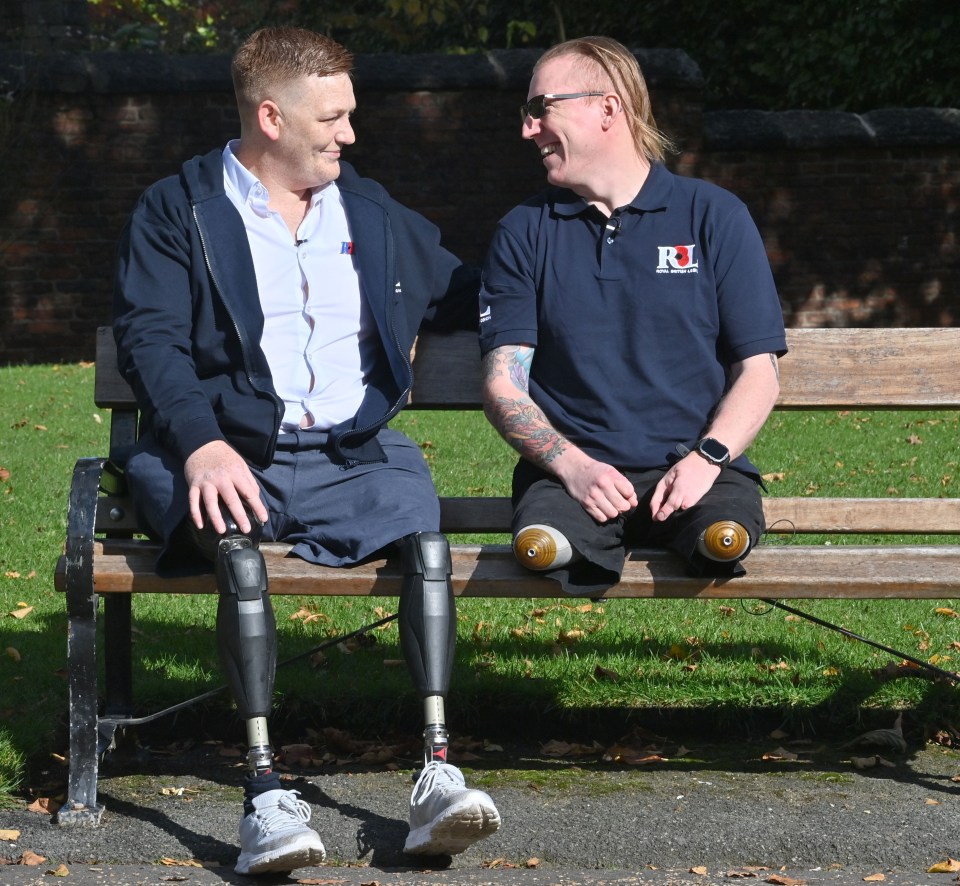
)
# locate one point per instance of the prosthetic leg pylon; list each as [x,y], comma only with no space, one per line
[428,631]
[246,630]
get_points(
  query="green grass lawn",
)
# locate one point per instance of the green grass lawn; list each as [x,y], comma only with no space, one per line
[720,662]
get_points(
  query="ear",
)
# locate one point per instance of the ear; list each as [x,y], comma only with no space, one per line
[269,119]
[611,106]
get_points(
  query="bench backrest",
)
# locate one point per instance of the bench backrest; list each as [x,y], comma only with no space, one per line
[824,369]
[896,368]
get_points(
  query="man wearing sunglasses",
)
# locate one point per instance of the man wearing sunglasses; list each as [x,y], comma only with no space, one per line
[630,330]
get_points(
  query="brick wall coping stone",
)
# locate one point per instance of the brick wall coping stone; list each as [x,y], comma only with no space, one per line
[814,130]
[131,73]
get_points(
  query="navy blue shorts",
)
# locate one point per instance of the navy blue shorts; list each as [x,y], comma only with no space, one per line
[539,497]
[331,514]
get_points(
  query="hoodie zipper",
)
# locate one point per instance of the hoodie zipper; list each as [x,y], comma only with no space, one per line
[236,328]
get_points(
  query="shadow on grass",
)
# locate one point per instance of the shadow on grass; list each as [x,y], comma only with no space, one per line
[357,694]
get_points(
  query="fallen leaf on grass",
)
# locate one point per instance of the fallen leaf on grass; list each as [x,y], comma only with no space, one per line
[950,866]
[12,654]
[307,615]
[946,612]
[601,673]
[4,474]
[22,610]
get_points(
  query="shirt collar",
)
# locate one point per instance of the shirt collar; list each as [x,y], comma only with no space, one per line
[654,195]
[250,189]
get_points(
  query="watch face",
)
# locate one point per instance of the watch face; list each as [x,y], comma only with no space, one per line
[714,449]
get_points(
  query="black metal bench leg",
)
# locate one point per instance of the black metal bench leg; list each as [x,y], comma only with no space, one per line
[81,804]
[118,655]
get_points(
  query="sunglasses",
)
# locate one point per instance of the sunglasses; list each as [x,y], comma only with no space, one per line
[537,106]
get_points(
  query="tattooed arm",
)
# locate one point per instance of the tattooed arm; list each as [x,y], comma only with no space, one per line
[601,490]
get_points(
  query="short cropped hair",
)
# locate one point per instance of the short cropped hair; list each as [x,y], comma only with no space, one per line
[605,62]
[271,57]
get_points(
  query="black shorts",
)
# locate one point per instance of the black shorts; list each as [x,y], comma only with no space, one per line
[539,497]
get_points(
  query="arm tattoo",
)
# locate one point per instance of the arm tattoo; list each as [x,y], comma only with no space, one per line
[512,362]
[525,428]
[776,365]
[519,420]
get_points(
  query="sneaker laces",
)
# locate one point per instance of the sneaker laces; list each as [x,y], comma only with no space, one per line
[436,775]
[277,818]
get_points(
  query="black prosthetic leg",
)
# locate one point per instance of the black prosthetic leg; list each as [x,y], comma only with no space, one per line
[246,630]
[428,631]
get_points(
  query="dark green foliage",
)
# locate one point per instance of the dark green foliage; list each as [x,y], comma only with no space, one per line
[754,53]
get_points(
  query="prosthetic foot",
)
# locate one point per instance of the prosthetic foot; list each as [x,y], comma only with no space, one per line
[724,541]
[540,547]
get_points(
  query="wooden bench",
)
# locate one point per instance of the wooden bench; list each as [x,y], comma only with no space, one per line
[825,369]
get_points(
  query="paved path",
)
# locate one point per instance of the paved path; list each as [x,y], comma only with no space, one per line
[817,819]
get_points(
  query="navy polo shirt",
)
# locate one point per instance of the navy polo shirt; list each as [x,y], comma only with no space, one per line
[635,319]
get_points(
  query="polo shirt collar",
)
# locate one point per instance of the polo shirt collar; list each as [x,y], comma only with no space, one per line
[654,195]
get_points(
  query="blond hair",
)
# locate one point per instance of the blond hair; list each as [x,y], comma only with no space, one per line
[604,62]
[272,57]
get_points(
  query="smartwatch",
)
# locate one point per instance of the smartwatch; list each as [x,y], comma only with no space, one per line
[713,451]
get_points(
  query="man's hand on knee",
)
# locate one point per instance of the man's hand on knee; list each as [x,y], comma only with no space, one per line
[216,473]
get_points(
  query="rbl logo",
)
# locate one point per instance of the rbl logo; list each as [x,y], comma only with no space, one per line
[676,258]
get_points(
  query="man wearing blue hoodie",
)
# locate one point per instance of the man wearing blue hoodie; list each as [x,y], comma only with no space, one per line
[267,299]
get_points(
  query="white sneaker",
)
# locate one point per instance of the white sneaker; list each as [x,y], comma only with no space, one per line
[445,815]
[274,837]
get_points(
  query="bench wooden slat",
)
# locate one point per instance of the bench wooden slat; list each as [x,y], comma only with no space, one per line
[870,369]
[824,369]
[789,571]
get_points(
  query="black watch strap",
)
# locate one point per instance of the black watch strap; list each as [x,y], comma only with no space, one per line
[713,451]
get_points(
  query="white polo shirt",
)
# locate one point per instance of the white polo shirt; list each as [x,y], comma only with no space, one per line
[315,319]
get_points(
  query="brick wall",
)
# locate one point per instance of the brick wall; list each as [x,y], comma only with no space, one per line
[858,214]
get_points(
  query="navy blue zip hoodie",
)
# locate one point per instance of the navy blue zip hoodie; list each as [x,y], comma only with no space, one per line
[188,322]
